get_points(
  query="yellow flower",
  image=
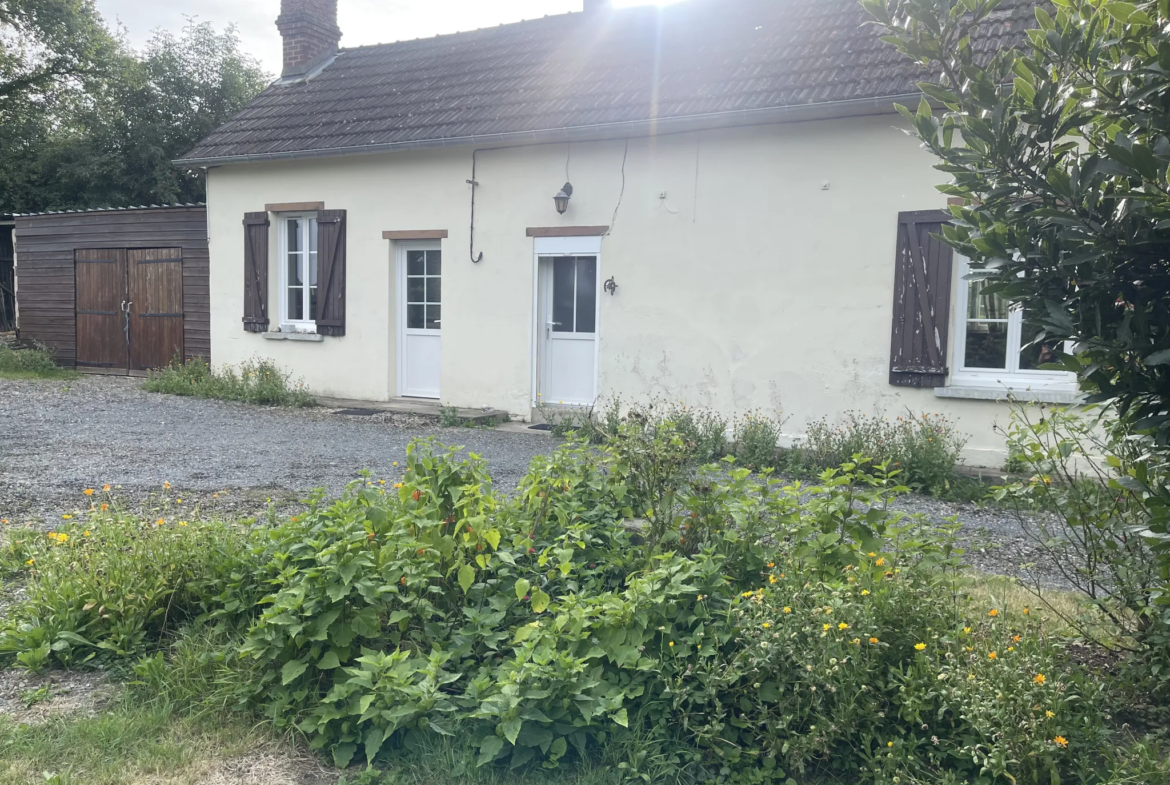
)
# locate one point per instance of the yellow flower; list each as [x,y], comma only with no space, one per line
[671,644]
[396,463]
[85,533]
[827,627]
[746,594]
[889,744]
[966,630]
[880,562]
[52,535]
[873,640]
[857,641]
[31,562]
[766,625]
[702,597]
[1039,678]
[1011,648]
[67,517]
[771,579]
[178,501]
[865,592]
[771,564]
[88,491]
[159,522]
[786,609]
[993,612]
[182,523]
[62,538]
[920,646]
[871,554]
[1061,740]
[1049,714]
[397,485]
[991,655]
[842,626]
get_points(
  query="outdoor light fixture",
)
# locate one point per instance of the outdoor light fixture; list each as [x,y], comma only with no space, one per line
[562,199]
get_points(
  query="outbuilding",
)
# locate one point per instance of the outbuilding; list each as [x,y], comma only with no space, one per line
[118,291]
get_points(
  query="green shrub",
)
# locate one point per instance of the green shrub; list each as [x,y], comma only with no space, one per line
[258,382]
[925,447]
[113,584]
[757,438]
[38,363]
[750,631]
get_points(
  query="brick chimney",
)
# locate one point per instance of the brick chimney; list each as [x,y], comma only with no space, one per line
[310,32]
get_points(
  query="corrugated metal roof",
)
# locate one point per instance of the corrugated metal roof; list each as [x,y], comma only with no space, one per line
[113,209]
[697,58]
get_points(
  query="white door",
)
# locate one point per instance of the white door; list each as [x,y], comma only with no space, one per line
[568,329]
[420,303]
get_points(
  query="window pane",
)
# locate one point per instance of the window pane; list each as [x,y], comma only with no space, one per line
[312,235]
[294,235]
[434,317]
[434,295]
[414,317]
[564,271]
[1032,357]
[294,270]
[434,262]
[296,304]
[414,262]
[986,345]
[415,290]
[312,303]
[312,268]
[984,306]
[586,294]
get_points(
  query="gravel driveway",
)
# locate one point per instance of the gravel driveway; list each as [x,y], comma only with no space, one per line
[57,438]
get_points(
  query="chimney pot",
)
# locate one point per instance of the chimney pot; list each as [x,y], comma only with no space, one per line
[310,32]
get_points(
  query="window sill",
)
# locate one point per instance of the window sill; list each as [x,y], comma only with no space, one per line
[1029,395]
[310,337]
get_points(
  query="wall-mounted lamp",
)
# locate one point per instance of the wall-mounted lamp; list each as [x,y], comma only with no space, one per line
[610,286]
[561,200]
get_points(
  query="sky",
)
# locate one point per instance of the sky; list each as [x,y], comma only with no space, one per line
[362,21]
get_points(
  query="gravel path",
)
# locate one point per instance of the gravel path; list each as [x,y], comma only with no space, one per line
[57,438]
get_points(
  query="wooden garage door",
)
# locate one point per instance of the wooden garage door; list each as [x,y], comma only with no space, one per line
[102,334]
[156,307]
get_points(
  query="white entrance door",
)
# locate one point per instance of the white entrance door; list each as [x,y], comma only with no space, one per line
[568,329]
[420,303]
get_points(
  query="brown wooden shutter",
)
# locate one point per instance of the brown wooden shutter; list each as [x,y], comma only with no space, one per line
[922,301]
[330,316]
[256,272]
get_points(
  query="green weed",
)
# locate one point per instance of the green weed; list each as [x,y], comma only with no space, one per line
[257,381]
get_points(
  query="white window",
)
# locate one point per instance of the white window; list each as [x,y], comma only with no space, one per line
[298,272]
[993,346]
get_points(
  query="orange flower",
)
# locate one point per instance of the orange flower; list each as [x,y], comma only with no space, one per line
[159,522]
[993,612]
[1015,639]
[873,640]
[105,507]
[106,488]
[1039,678]
[991,655]
[88,491]
[166,485]
[1061,740]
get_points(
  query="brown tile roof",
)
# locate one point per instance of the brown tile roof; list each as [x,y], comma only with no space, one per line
[700,58]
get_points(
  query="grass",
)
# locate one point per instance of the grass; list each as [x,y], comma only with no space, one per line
[132,742]
[31,364]
[257,382]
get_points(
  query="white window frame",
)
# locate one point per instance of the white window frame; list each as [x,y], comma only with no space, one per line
[288,324]
[1012,377]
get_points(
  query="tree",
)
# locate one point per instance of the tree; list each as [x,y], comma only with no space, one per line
[1060,151]
[111,143]
[44,43]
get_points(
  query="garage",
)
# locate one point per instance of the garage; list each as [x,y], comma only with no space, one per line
[115,291]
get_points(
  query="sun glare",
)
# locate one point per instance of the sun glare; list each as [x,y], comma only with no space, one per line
[629,3]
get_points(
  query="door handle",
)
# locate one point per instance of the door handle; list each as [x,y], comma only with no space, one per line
[548,327]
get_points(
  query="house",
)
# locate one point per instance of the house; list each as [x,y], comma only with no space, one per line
[115,291]
[712,202]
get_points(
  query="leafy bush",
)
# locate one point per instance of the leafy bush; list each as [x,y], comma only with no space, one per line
[258,382]
[113,585]
[749,632]
[757,438]
[1107,531]
[38,363]
[926,447]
